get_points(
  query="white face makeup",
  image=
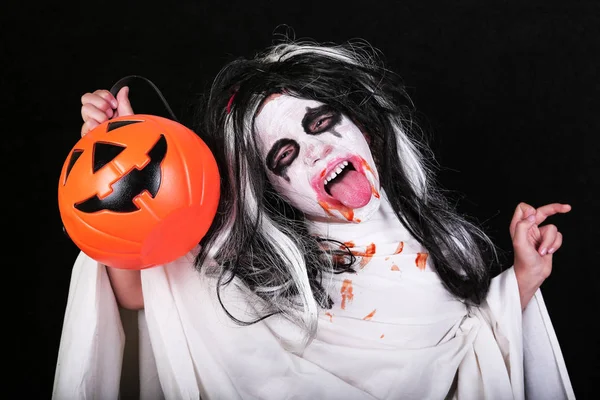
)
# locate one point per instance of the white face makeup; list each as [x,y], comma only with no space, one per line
[317,159]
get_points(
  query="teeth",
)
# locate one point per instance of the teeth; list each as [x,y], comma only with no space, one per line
[335,172]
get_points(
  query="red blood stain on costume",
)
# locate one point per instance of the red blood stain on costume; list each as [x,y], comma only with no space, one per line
[371,314]
[366,255]
[421,260]
[346,291]
[399,248]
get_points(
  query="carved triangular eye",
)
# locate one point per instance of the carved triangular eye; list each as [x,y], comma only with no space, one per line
[74,157]
[105,153]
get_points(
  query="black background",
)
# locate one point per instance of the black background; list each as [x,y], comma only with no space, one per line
[509,91]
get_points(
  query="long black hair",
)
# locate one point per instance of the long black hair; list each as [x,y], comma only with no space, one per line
[261,240]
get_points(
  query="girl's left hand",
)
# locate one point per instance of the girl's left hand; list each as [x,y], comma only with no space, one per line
[534,246]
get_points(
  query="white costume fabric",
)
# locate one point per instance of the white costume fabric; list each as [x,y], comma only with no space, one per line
[394,332]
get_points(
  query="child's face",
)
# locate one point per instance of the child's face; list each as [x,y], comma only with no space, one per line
[317,159]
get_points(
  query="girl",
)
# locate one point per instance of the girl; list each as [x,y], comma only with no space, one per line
[334,267]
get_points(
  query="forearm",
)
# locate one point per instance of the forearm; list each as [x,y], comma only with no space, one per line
[127,287]
[526,297]
[527,289]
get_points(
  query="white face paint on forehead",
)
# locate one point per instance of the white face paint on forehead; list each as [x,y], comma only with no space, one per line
[317,159]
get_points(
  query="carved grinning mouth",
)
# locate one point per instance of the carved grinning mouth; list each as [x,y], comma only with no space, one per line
[336,174]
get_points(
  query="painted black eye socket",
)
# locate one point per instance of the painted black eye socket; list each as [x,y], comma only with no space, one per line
[285,156]
[281,155]
[322,124]
[320,119]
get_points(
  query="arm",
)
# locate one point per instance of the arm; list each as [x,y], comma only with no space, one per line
[96,108]
[534,246]
[127,287]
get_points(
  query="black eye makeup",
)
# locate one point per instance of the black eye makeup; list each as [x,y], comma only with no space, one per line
[320,119]
[285,151]
[281,155]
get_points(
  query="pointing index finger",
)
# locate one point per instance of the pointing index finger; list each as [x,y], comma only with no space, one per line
[548,210]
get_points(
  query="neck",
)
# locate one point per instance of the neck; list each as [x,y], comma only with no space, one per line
[384,226]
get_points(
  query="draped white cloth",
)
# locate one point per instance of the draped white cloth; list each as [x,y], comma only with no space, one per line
[394,332]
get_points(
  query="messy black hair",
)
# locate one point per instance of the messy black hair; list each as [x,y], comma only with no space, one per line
[262,240]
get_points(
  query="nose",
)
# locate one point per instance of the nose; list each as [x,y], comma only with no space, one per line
[315,152]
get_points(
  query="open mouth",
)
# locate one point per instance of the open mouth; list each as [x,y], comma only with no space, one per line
[337,174]
[344,184]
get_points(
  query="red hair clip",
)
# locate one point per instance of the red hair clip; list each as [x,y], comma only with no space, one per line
[230,102]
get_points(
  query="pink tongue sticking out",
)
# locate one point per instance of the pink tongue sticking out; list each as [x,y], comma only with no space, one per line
[352,190]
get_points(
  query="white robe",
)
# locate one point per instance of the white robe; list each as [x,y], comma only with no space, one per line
[393,332]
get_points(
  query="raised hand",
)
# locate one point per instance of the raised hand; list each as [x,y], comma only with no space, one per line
[534,245]
[101,105]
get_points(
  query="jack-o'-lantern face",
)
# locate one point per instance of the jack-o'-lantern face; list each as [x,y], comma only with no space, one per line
[130,175]
[135,186]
